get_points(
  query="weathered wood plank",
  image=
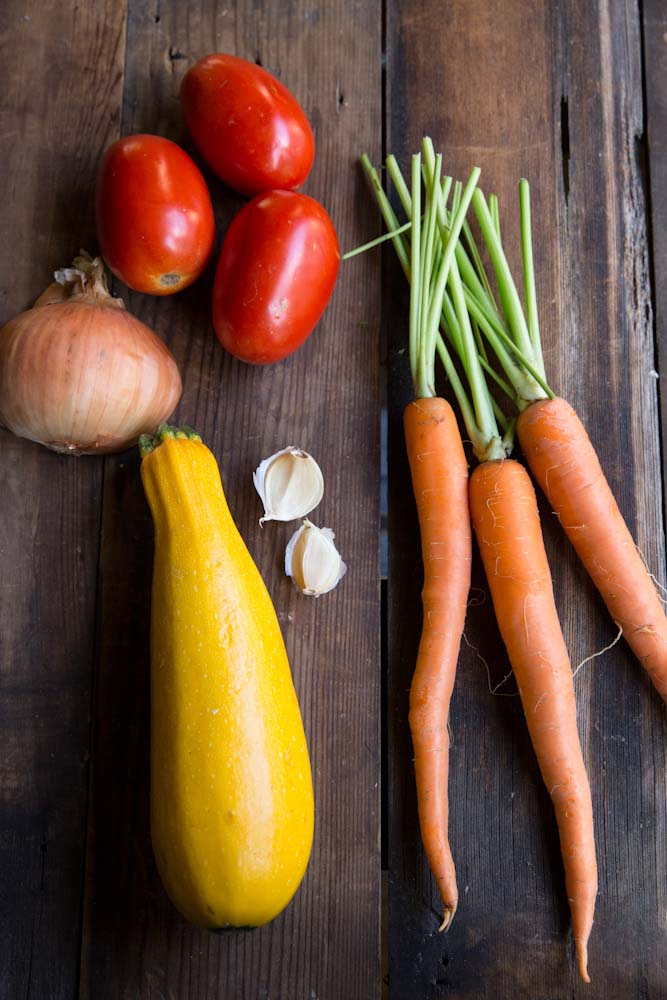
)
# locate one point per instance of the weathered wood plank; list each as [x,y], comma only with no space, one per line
[61,93]
[326,399]
[551,92]
[655,140]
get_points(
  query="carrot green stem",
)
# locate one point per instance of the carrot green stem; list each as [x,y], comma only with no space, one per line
[477,285]
[448,267]
[498,379]
[376,242]
[388,214]
[430,257]
[480,394]
[430,298]
[529,272]
[437,198]
[480,301]
[451,324]
[450,289]
[480,419]
[453,334]
[508,436]
[495,215]
[398,181]
[508,293]
[400,242]
[507,439]
[446,188]
[415,278]
[462,399]
[526,379]
[473,271]
[479,340]
[530,359]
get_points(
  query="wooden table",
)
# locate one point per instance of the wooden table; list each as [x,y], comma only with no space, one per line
[572,95]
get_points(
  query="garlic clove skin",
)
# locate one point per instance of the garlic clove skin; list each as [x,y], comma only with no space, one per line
[290,484]
[313,561]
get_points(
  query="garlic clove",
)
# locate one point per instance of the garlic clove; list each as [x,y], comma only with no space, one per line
[289,483]
[313,561]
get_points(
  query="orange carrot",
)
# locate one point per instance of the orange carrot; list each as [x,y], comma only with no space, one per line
[563,460]
[440,481]
[504,510]
[506,522]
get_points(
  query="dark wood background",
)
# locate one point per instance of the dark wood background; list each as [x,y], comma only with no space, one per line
[572,95]
[84,913]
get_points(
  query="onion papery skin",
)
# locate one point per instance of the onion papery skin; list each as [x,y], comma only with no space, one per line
[84,378]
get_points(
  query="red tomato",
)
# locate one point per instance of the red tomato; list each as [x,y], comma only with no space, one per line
[276,273]
[155,221]
[248,127]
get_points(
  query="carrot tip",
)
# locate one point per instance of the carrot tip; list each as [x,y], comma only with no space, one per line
[447,919]
[582,955]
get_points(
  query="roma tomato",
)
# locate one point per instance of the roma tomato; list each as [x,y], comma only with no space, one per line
[276,273]
[248,127]
[155,221]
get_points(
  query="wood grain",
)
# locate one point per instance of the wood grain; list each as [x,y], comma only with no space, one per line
[652,142]
[554,93]
[325,399]
[551,91]
[50,138]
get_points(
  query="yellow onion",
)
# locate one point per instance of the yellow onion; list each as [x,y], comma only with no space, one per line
[80,374]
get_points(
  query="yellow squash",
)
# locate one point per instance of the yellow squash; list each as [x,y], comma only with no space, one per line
[231,788]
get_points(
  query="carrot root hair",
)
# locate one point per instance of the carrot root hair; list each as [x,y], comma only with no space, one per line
[600,652]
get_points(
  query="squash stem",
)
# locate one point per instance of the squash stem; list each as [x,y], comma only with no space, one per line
[164,432]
